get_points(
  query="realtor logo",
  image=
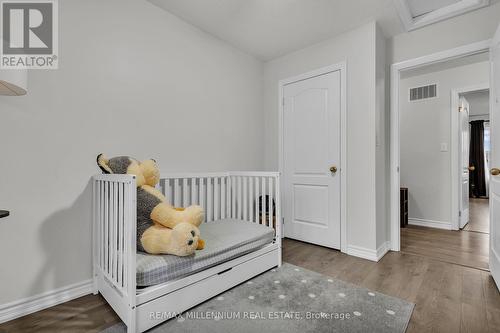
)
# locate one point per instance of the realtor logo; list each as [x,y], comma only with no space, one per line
[29,31]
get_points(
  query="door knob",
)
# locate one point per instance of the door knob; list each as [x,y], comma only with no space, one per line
[495,171]
[333,169]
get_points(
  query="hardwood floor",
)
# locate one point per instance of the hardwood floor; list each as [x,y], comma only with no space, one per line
[448,297]
[479,215]
[85,314]
[459,247]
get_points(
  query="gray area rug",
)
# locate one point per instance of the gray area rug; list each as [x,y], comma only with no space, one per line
[292,299]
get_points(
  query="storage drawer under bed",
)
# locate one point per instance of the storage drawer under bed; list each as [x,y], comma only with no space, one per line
[183,299]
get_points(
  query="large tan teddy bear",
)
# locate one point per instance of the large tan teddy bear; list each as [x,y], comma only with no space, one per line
[161,228]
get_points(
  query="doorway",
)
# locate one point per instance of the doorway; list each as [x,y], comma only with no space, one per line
[444,147]
[312,156]
[475,195]
[435,140]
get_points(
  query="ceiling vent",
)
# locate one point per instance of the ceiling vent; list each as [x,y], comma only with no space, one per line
[424,92]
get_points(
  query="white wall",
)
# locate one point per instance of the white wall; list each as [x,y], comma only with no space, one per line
[424,126]
[132,80]
[357,48]
[461,30]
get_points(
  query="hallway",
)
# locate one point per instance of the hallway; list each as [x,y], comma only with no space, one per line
[463,248]
[479,216]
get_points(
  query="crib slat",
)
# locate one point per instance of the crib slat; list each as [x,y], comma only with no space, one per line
[257,193]
[213,187]
[263,201]
[228,197]
[245,198]
[233,197]
[103,225]
[216,199]
[129,195]
[161,185]
[202,196]
[279,222]
[270,201]
[99,222]
[194,199]
[95,210]
[126,234]
[117,228]
[238,199]
[250,198]
[165,185]
[111,231]
[223,198]
[114,228]
[120,235]
[209,200]
[177,193]
[185,193]
[106,227]
[168,191]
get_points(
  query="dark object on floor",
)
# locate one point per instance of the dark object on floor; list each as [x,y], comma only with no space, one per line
[266,203]
[264,217]
[403,211]
[4,213]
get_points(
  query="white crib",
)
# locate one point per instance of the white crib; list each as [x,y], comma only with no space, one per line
[222,195]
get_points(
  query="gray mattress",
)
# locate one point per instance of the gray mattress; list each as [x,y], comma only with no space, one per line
[225,240]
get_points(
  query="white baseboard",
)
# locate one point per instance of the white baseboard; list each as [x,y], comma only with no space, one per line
[430,223]
[16,309]
[369,254]
[383,249]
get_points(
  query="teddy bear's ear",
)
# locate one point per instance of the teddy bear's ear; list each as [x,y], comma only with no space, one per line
[102,162]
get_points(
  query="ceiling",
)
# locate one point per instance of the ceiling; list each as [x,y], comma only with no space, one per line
[479,102]
[268,29]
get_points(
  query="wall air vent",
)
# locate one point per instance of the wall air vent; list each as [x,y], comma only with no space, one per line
[424,92]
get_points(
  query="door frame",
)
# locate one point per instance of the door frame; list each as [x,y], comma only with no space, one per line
[455,161]
[342,68]
[450,54]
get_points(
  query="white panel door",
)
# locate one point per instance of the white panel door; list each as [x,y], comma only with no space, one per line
[464,161]
[311,143]
[495,159]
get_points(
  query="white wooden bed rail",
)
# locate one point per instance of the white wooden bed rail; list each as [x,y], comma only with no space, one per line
[250,196]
